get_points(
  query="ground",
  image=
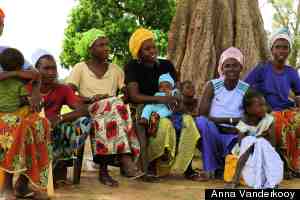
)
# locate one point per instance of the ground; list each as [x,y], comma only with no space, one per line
[170,188]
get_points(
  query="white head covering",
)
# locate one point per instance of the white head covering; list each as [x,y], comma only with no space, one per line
[282,33]
[37,54]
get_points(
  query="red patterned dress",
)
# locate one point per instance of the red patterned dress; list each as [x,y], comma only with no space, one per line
[114,132]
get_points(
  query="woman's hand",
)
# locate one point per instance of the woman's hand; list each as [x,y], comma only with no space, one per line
[35,103]
[98,97]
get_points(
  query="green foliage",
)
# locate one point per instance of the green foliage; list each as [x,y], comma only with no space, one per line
[288,15]
[118,19]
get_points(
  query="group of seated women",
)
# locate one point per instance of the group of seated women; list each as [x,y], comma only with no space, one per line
[162,123]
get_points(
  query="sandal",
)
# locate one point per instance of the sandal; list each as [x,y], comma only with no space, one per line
[195,176]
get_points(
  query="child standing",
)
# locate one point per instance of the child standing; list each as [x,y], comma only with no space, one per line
[188,104]
[259,163]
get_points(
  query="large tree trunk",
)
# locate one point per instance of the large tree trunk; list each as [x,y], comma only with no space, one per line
[202,29]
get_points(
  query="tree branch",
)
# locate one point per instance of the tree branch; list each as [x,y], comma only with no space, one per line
[279,12]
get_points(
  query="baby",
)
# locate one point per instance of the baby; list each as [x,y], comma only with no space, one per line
[152,112]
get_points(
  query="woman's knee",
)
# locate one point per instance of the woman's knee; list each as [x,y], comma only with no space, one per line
[165,123]
[201,120]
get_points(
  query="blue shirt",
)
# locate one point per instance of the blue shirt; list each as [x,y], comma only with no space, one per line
[275,86]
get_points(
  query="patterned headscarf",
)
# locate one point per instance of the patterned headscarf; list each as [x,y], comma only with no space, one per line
[37,54]
[282,33]
[231,52]
[2,15]
[87,40]
[136,40]
[166,78]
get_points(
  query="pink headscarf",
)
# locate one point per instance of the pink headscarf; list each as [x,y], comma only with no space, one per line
[231,52]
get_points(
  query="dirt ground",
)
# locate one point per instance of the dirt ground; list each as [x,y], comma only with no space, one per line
[170,188]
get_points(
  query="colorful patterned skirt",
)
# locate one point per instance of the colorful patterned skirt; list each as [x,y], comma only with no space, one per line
[113,129]
[287,131]
[69,137]
[25,145]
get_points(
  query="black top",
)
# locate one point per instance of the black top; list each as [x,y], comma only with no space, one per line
[147,77]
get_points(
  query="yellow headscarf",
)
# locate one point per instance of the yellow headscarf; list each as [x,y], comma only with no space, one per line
[136,40]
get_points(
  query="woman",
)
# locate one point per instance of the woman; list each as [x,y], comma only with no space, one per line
[69,130]
[95,78]
[220,109]
[25,146]
[274,79]
[142,74]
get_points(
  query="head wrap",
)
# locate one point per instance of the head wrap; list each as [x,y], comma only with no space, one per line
[136,40]
[231,52]
[282,33]
[86,41]
[37,54]
[166,78]
[2,15]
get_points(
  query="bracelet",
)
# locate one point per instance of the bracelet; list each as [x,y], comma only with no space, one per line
[231,120]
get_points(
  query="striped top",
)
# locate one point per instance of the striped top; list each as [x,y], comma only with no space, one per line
[227,103]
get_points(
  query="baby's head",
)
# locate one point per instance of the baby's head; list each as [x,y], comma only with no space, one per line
[187,89]
[11,59]
[166,83]
[254,104]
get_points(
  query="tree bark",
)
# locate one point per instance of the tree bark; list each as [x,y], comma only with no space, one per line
[202,29]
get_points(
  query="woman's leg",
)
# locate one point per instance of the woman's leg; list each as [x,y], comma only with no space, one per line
[7,190]
[194,175]
[60,173]
[104,176]
[8,183]
[128,167]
